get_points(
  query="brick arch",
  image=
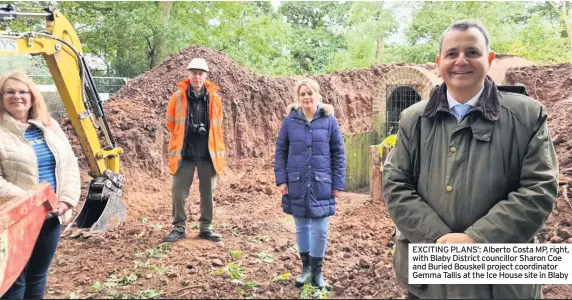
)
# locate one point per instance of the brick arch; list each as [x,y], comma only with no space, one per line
[418,78]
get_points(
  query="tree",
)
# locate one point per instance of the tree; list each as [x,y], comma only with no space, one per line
[562,11]
[316,30]
[124,34]
[521,28]
[367,26]
[252,35]
[159,50]
[314,15]
[307,37]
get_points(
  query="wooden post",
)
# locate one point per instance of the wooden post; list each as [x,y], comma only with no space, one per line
[375,175]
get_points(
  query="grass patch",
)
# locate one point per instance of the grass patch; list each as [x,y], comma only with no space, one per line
[235,254]
[312,292]
[265,257]
[159,251]
[282,277]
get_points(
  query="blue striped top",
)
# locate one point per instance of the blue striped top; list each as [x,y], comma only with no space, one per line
[45,157]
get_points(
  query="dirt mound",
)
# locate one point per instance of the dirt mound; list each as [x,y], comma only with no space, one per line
[502,63]
[560,124]
[551,85]
[254,106]
[547,83]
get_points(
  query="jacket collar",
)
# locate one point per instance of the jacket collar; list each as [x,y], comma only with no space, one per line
[323,110]
[183,85]
[18,128]
[488,103]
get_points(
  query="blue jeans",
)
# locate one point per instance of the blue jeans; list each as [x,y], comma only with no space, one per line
[32,281]
[312,235]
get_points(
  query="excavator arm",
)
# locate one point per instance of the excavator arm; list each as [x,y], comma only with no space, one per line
[60,47]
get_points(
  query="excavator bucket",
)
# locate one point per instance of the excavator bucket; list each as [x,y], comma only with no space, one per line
[21,219]
[103,208]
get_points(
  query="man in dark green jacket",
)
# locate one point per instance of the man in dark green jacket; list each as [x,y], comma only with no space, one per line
[474,164]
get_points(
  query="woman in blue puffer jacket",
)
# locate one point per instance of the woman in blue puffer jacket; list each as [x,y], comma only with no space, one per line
[310,170]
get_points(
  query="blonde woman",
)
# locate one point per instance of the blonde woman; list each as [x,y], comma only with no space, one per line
[33,149]
[310,171]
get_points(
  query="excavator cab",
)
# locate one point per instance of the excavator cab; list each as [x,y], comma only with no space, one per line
[103,208]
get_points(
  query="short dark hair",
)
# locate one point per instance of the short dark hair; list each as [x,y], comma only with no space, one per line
[465,25]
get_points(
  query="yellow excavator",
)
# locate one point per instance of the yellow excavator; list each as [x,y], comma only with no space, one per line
[61,49]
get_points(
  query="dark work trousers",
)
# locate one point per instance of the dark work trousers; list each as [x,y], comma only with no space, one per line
[182,181]
[32,281]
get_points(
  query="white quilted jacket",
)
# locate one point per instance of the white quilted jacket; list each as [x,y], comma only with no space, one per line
[19,167]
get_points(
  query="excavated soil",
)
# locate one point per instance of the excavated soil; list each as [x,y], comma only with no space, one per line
[547,83]
[552,85]
[259,237]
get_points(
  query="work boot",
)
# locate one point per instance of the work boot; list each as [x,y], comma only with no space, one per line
[174,235]
[317,276]
[210,235]
[306,271]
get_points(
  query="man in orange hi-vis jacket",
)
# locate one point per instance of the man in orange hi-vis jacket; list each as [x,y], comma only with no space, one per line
[194,119]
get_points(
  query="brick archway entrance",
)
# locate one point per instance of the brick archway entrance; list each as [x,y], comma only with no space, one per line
[400,88]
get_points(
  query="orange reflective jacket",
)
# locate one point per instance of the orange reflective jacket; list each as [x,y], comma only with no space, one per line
[176,116]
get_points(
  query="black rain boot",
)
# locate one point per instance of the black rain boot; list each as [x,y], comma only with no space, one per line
[306,270]
[317,276]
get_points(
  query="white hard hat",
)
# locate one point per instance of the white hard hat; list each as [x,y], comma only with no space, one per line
[198,64]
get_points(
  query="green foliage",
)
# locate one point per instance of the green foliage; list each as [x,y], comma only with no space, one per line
[148,294]
[282,277]
[418,53]
[315,31]
[312,292]
[97,287]
[265,257]
[300,37]
[314,15]
[235,254]
[543,42]
[158,251]
[124,34]
[520,28]
[368,24]
[263,48]
[234,270]
[114,281]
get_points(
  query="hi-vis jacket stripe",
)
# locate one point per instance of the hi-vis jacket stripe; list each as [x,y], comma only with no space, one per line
[175,121]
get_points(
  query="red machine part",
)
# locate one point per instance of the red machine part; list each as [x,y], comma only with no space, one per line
[21,220]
